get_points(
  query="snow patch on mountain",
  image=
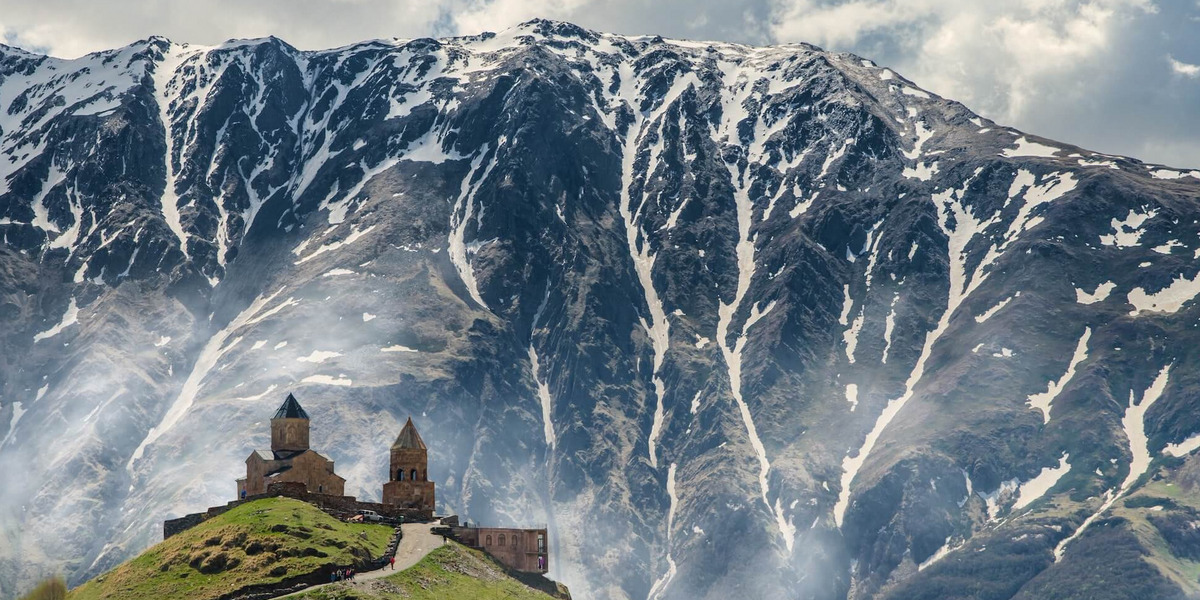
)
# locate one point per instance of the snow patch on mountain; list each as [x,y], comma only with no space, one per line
[989,313]
[544,398]
[319,356]
[1041,483]
[354,235]
[1127,232]
[1044,400]
[852,395]
[1098,295]
[320,379]
[1168,300]
[660,584]
[69,318]
[1027,147]
[1183,448]
[464,212]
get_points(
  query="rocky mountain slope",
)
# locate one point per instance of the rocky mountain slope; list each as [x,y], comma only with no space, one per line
[772,322]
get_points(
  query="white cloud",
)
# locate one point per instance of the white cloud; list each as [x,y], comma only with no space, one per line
[997,57]
[70,28]
[1185,69]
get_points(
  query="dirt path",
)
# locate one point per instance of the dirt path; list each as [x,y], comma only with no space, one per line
[416,543]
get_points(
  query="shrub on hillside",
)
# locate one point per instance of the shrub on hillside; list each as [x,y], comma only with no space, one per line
[51,589]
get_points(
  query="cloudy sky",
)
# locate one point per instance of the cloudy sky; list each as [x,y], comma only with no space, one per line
[1118,76]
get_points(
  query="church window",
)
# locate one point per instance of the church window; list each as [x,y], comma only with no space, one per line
[489,541]
[414,474]
[400,475]
[502,539]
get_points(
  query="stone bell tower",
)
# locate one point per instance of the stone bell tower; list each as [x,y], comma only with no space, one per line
[408,482]
[289,429]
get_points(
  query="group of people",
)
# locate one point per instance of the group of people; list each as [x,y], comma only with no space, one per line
[347,574]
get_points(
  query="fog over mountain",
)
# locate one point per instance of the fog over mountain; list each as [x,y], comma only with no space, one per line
[732,321]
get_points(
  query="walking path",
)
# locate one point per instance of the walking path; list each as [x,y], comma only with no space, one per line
[417,541]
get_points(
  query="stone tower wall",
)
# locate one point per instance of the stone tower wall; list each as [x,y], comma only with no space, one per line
[414,495]
[289,435]
[409,459]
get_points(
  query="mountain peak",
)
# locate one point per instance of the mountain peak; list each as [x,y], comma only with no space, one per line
[647,289]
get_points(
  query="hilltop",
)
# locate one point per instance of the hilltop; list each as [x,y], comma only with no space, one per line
[453,571]
[252,549]
[258,543]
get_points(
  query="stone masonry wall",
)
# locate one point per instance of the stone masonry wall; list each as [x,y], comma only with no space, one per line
[341,507]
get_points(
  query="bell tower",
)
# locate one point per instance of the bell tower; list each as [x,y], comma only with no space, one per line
[408,482]
[289,428]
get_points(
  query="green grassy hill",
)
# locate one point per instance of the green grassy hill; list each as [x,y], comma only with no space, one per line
[259,542]
[451,572]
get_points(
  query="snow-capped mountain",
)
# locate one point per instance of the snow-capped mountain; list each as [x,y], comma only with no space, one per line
[766,322]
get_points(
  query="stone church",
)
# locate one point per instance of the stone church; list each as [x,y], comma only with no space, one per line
[290,459]
[408,483]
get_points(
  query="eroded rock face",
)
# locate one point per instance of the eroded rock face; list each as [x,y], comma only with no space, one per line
[765,322]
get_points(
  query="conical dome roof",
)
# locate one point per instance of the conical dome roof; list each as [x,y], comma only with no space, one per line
[290,409]
[409,438]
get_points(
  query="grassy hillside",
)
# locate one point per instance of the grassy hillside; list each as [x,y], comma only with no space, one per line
[451,572]
[258,542]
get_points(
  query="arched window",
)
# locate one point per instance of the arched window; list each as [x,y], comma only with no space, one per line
[502,539]
[489,541]
[414,474]
[400,475]
[320,489]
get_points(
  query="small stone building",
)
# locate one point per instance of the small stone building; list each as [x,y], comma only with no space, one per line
[290,459]
[408,482]
[520,549]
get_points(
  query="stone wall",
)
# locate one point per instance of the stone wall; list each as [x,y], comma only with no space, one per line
[518,549]
[313,470]
[409,494]
[174,526]
[341,507]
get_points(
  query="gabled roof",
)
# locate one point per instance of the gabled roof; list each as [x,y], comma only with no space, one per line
[269,455]
[281,469]
[409,438]
[290,409]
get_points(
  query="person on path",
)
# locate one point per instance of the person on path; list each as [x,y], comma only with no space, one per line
[393,562]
